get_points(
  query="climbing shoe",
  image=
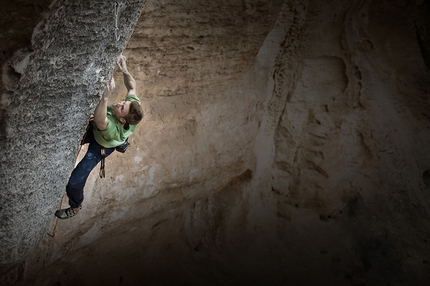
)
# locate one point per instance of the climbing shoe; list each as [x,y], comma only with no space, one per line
[66,213]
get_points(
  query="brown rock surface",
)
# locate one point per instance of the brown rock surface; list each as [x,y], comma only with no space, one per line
[284,143]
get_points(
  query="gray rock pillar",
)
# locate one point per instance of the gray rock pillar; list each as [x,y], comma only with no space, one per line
[73,55]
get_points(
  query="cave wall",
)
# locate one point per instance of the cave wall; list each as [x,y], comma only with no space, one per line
[284,142]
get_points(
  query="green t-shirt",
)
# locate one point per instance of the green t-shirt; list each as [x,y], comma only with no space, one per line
[114,134]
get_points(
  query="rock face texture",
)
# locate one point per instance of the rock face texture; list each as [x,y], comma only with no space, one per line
[46,101]
[284,143]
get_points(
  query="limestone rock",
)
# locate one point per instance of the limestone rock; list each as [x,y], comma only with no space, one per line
[48,94]
[284,142]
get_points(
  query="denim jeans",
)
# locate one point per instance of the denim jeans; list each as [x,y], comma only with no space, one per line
[76,184]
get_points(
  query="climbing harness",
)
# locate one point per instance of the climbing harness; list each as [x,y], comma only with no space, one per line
[116,11]
[120,148]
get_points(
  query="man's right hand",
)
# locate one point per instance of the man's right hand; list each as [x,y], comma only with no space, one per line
[122,64]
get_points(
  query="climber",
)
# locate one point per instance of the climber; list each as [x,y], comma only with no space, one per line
[110,129]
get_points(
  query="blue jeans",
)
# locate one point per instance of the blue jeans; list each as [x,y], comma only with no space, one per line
[76,184]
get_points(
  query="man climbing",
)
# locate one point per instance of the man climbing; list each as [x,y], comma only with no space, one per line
[111,127]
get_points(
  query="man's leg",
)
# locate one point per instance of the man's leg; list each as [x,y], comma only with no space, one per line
[78,178]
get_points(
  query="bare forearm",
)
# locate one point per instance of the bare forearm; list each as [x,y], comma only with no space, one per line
[100,113]
[129,81]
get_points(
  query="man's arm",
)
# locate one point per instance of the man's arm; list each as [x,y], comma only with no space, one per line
[100,113]
[129,81]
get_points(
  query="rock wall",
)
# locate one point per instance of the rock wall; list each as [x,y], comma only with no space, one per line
[284,142]
[49,90]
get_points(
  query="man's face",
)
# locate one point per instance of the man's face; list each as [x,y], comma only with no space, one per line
[121,109]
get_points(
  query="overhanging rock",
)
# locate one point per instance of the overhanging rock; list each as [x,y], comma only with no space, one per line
[73,54]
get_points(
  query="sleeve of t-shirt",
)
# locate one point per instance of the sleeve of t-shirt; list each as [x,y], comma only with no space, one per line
[132,97]
[110,132]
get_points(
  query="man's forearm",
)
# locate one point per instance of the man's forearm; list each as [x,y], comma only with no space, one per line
[129,81]
[100,113]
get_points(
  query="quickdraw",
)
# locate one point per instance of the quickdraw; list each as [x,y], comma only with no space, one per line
[102,163]
[116,11]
